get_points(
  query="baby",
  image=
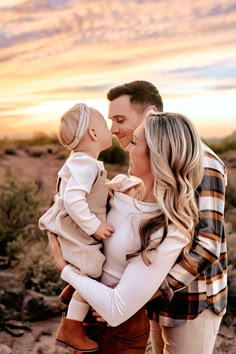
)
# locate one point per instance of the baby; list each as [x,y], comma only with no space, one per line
[78,215]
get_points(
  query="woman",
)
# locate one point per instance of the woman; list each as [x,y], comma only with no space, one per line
[151,230]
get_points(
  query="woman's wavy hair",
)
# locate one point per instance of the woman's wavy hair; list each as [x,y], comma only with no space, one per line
[176,158]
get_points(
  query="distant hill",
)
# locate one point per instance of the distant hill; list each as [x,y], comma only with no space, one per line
[223,144]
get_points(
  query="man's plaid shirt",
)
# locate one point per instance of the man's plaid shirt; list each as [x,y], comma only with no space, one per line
[206,287]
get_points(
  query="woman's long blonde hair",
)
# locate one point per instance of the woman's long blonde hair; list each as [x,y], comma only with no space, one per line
[176,158]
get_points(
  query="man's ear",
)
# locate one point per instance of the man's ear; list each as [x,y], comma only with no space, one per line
[93,134]
[149,109]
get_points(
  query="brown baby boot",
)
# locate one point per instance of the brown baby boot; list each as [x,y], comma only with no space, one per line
[66,294]
[72,334]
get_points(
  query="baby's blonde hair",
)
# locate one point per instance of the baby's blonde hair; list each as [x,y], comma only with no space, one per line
[68,125]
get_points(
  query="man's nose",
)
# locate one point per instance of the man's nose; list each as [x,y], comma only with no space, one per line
[114,129]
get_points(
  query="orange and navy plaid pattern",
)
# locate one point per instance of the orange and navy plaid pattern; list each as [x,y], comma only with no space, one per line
[194,290]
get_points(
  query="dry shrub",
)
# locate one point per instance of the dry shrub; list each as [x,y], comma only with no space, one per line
[39,271]
[10,151]
[36,151]
[19,208]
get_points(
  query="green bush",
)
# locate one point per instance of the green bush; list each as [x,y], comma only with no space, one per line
[19,213]
[114,155]
[40,272]
[38,139]
[226,144]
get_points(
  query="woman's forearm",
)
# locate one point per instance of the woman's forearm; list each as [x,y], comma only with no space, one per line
[137,285]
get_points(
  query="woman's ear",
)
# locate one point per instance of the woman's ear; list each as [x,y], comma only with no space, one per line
[93,134]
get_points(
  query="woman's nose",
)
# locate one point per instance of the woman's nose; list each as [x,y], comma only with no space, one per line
[127,148]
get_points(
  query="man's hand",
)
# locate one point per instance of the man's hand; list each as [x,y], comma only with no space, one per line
[105,230]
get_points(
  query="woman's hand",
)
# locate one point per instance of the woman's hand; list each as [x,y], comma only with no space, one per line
[98,317]
[56,251]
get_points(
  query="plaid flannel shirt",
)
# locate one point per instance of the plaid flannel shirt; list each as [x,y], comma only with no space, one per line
[194,290]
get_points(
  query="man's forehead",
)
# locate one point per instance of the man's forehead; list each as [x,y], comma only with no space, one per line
[125,113]
[115,112]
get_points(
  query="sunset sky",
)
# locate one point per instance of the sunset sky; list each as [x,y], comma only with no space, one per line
[54,53]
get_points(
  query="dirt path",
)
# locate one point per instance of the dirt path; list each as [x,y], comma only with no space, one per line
[41,340]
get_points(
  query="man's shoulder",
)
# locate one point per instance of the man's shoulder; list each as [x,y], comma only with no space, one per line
[212,160]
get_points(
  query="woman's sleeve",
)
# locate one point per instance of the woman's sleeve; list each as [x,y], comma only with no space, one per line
[137,285]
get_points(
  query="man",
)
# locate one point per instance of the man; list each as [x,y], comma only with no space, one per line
[191,320]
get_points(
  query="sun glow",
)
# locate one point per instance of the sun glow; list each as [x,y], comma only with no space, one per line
[45,117]
[47,63]
[59,107]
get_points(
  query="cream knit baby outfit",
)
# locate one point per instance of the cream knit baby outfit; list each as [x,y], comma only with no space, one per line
[77,212]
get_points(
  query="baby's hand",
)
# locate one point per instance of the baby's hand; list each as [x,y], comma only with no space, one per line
[105,230]
[114,187]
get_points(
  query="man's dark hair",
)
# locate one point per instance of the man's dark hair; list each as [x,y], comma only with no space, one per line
[141,92]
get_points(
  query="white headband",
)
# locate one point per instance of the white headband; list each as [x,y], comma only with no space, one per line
[83,124]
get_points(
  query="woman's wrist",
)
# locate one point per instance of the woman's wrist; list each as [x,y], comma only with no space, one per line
[64,272]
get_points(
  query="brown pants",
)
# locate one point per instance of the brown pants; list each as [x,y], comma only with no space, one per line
[129,337]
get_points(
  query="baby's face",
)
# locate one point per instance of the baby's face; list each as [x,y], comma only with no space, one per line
[98,123]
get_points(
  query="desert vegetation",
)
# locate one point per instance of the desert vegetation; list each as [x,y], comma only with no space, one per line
[22,201]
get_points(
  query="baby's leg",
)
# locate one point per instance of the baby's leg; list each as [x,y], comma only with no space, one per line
[78,308]
[71,332]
